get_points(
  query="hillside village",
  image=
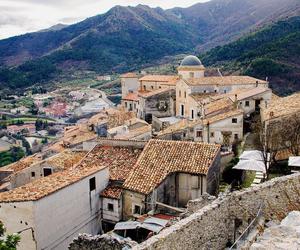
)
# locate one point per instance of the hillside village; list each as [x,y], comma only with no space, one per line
[127,174]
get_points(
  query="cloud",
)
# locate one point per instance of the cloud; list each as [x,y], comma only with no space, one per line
[22,16]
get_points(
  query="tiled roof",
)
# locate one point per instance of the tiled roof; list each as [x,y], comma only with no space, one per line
[218,105]
[224,80]
[22,164]
[160,78]
[155,92]
[161,158]
[200,97]
[176,127]
[133,133]
[131,97]
[223,116]
[129,75]
[65,159]
[281,107]
[42,187]
[120,160]
[244,93]
[112,192]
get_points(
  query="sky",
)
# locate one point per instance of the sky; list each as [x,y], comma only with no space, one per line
[23,16]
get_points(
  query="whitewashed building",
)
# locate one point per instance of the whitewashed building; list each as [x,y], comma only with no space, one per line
[49,212]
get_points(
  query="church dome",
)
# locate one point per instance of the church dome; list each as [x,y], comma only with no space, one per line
[191,61]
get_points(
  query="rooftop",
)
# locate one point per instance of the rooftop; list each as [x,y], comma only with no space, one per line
[280,107]
[191,61]
[172,79]
[224,80]
[200,97]
[146,94]
[131,97]
[222,116]
[133,133]
[161,158]
[218,105]
[129,75]
[120,160]
[112,192]
[241,94]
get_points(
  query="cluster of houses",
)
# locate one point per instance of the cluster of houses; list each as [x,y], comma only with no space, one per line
[136,166]
[192,106]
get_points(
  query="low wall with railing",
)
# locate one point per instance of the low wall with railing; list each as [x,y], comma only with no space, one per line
[219,224]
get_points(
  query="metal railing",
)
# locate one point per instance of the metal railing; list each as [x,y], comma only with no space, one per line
[247,231]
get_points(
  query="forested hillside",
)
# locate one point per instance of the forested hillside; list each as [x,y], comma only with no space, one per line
[272,52]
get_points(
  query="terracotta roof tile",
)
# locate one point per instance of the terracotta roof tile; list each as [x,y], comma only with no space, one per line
[224,80]
[280,107]
[222,116]
[218,105]
[160,78]
[161,158]
[112,192]
[131,97]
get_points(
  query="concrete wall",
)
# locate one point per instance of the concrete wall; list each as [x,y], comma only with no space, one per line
[112,216]
[16,217]
[62,215]
[213,226]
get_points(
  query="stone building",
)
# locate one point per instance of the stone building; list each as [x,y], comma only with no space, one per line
[171,173]
[158,103]
[155,82]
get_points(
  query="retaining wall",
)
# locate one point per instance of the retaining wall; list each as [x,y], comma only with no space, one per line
[213,226]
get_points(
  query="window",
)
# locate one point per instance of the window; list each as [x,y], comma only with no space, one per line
[144,87]
[159,87]
[247,104]
[234,120]
[225,91]
[215,91]
[195,182]
[184,134]
[32,174]
[125,104]
[92,184]
[212,134]
[192,115]
[236,136]
[192,74]
[47,171]
[134,105]
[182,110]
[130,107]
[179,93]
[110,207]
[152,87]
[184,94]
[198,133]
[204,91]
[137,209]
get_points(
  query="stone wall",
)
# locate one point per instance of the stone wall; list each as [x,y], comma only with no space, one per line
[212,227]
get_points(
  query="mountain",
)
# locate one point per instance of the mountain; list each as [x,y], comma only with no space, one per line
[55,27]
[129,38]
[272,52]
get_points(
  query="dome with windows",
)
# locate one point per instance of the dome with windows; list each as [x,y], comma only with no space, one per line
[191,61]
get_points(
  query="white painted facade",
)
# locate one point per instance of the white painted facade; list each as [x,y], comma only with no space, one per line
[59,217]
[111,215]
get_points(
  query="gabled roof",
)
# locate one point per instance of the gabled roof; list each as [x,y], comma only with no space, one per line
[171,79]
[161,158]
[119,160]
[281,107]
[223,116]
[241,94]
[218,105]
[146,94]
[223,80]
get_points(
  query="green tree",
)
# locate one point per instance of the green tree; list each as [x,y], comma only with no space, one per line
[10,241]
